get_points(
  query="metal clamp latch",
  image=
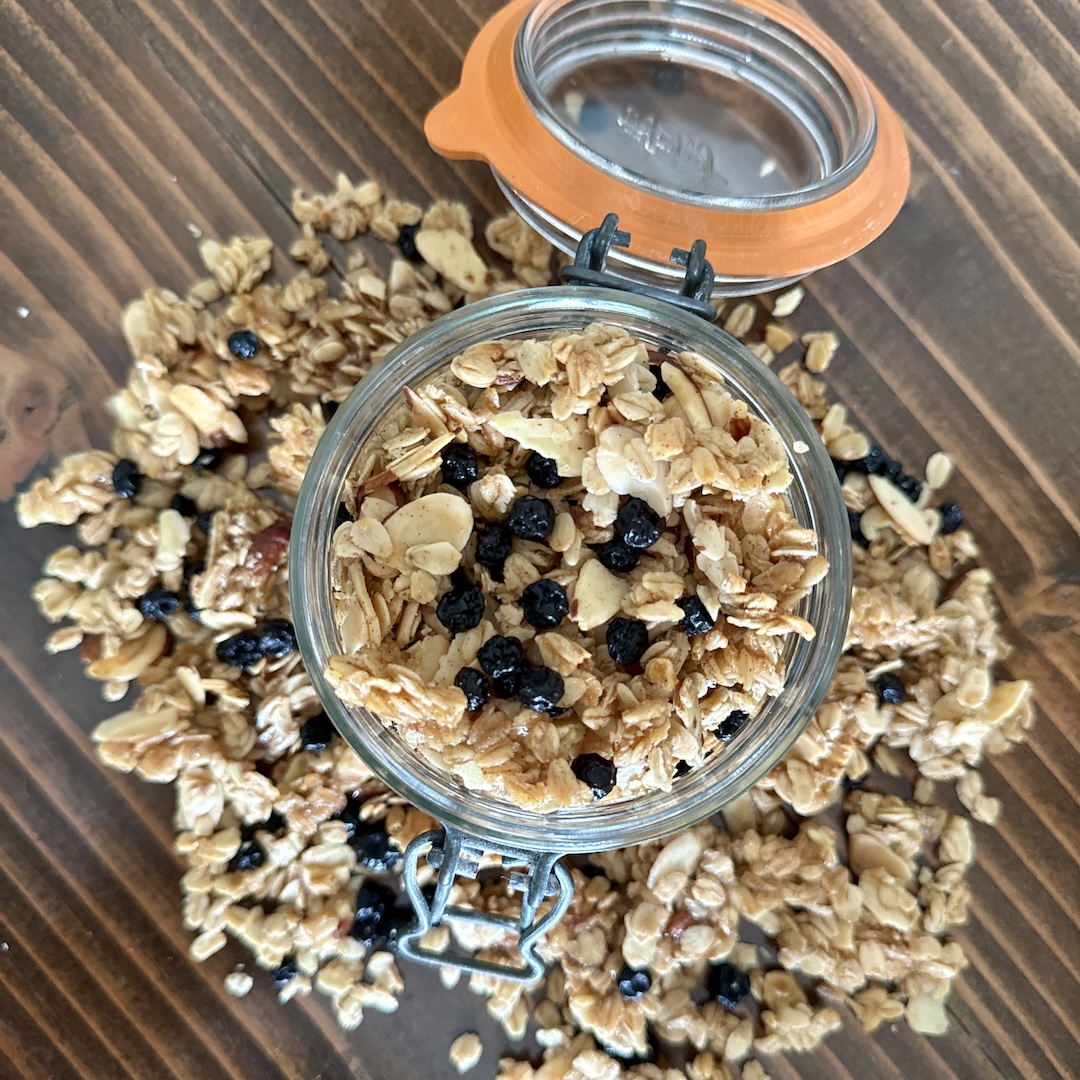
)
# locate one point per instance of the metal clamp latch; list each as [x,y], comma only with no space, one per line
[590,268]
[536,875]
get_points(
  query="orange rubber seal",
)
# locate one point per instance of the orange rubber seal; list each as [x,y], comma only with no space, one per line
[487,118]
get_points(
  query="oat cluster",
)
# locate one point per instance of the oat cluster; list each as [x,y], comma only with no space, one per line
[174,591]
[652,457]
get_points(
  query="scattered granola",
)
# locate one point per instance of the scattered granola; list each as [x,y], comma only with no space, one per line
[465,1051]
[459,652]
[290,844]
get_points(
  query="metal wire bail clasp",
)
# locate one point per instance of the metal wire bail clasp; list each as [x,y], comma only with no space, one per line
[536,875]
[590,268]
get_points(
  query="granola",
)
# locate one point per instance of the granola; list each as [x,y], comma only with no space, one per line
[290,845]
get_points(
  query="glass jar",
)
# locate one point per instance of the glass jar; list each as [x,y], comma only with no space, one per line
[477,824]
[737,122]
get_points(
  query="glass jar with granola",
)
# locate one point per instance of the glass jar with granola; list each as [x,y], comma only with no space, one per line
[570,572]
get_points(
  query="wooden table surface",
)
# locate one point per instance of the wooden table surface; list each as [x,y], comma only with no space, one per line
[124,122]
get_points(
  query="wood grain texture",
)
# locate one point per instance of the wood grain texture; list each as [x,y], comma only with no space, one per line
[124,122]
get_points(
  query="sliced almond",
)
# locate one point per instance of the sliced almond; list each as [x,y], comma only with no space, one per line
[366,535]
[567,441]
[687,395]
[908,520]
[429,520]
[597,596]
[132,658]
[624,461]
[452,255]
[137,726]
[437,559]
[682,854]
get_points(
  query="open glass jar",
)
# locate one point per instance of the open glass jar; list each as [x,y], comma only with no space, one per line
[737,122]
[476,824]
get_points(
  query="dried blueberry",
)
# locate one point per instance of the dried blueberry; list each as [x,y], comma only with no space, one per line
[203,522]
[461,607]
[374,851]
[208,459]
[275,824]
[493,546]
[395,922]
[241,650]
[184,506]
[243,344]
[543,471]
[841,468]
[681,769]
[329,408]
[284,973]
[158,603]
[696,619]
[890,688]
[342,516]
[407,243]
[540,688]
[661,389]
[501,656]
[593,117]
[854,522]
[476,687]
[890,468]
[727,985]
[952,517]
[507,686]
[909,486]
[544,603]
[627,640]
[668,79]
[637,525]
[459,468]
[126,478]
[317,733]
[731,725]
[532,518]
[872,463]
[373,901]
[249,857]
[597,772]
[618,556]
[277,638]
[632,984]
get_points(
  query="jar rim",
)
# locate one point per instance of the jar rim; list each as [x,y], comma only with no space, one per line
[815,494]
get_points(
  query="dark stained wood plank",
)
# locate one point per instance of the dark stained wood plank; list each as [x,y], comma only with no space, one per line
[959,330]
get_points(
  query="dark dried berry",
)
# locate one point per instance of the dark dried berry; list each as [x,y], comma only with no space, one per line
[208,459]
[243,344]
[461,608]
[668,79]
[627,640]
[727,985]
[184,506]
[841,468]
[277,638]
[952,517]
[854,522]
[597,772]
[618,556]
[275,824]
[126,478]
[374,851]
[507,686]
[158,603]
[637,525]
[373,901]
[342,516]
[240,650]
[531,518]
[731,725]
[850,785]
[593,117]
[249,857]
[890,688]
[544,603]
[407,243]
[459,468]
[493,546]
[872,463]
[661,389]
[696,619]
[632,984]
[476,687]
[540,689]
[543,471]
[501,656]
[284,973]
[890,468]
[909,486]
[329,408]
[395,922]
[317,733]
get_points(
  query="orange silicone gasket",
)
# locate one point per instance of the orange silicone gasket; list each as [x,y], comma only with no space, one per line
[488,118]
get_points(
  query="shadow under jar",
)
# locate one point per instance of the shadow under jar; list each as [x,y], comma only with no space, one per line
[477,824]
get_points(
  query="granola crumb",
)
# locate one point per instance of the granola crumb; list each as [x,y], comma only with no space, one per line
[238,983]
[465,1051]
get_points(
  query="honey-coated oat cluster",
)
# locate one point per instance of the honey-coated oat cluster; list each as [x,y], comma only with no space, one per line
[175,593]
